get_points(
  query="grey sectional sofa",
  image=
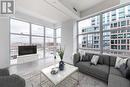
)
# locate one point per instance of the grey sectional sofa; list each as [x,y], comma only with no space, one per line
[104,70]
[7,80]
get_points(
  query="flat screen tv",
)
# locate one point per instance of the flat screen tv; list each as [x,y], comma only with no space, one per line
[25,50]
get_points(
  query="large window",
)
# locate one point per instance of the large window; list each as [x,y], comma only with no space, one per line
[25,33]
[89,36]
[37,30]
[58,38]
[112,34]
[49,42]
[19,36]
[19,27]
[38,39]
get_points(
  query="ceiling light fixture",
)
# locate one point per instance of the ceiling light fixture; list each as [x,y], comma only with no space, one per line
[76,6]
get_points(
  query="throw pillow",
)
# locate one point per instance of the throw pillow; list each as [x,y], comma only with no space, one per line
[119,62]
[123,69]
[82,58]
[90,55]
[100,61]
[94,59]
[87,57]
[128,73]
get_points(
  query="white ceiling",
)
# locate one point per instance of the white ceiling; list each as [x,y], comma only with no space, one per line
[40,9]
[82,5]
[52,10]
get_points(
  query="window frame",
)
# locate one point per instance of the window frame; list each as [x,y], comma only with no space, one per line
[30,34]
[101,26]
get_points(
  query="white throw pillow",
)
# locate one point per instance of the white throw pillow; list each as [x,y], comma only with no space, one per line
[81,55]
[95,59]
[120,61]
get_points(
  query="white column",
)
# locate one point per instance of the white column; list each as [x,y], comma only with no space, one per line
[67,40]
[4,42]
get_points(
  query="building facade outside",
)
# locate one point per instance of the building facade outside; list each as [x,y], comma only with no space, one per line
[116,31]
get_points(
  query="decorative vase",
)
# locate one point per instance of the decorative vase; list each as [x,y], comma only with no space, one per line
[61,65]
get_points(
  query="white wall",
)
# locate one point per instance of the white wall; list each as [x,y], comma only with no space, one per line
[4,42]
[67,39]
[75,26]
[99,7]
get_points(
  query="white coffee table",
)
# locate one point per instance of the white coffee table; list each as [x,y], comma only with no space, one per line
[61,75]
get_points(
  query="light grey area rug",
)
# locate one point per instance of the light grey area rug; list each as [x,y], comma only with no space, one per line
[33,80]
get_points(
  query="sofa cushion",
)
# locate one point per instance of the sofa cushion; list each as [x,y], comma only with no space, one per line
[100,61]
[76,59]
[127,73]
[123,69]
[106,59]
[83,66]
[117,81]
[12,81]
[4,72]
[128,64]
[112,60]
[90,55]
[115,71]
[83,58]
[99,71]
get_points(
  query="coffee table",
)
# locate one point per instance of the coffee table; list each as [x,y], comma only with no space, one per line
[60,76]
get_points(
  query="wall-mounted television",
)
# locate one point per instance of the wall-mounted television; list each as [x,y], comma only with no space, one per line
[25,50]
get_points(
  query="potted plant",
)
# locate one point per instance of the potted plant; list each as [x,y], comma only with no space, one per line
[61,54]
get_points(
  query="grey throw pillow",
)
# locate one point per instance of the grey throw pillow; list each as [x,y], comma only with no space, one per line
[128,73]
[82,58]
[123,69]
[100,61]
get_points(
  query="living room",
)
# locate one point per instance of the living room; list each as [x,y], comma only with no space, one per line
[65,43]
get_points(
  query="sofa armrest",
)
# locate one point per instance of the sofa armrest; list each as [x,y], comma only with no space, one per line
[76,59]
[4,72]
[12,81]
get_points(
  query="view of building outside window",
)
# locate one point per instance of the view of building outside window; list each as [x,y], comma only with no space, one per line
[116,41]
[89,34]
[49,42]
[38,39]
[58,38]
[24,33]
[116,32]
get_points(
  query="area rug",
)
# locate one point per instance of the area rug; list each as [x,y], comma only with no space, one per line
[33,80]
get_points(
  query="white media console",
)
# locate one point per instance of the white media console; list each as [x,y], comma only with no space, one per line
[27,58]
